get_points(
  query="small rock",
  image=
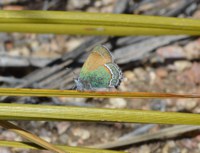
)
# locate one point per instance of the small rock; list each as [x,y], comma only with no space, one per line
[192,49]
[182,65]
[123,85]
[152,76]
[141,74]
[64,138]
[9,45]
[191,75]
[171,144]
[174,150]
[161,72]
[144,149]
[79,4]
[24,51]
[81,133]
[13,7]
[196,71]
[73,43]
[117,103]
[188,104]
[184,150]
[5,150]
[197,110]
[198,139]
[54,46]
[165,148]
[171,52]
[187,143]
[191,104]
[98,4]
[107,9]
[107,2]
[9,135]
[74,100]
[44,38]
[62,127]
[196,15]
[130,76]
[14,52]
[34,45]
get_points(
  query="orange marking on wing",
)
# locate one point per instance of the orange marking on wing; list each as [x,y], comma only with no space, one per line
[97,58]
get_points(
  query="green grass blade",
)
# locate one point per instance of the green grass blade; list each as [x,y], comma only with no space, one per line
[89,94]
[83,18]
[95,23]
[31,137]
[26,145]
[165,133]
[91,29]
[46,112]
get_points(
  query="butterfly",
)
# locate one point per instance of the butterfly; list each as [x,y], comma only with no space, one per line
[99,71]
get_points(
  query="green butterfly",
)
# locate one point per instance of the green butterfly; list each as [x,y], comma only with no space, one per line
[99,71]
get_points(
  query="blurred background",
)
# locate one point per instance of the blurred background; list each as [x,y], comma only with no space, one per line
[153,64]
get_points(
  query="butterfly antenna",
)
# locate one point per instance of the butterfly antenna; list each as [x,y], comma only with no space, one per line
[74,87]
[74,74]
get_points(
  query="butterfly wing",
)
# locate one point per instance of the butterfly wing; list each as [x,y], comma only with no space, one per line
[98,57]
[107,75]
[116,74]
[94,71]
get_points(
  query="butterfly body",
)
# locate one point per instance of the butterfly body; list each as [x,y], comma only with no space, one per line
[99,71]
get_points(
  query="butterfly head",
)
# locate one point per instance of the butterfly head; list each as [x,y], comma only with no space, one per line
[78,84]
